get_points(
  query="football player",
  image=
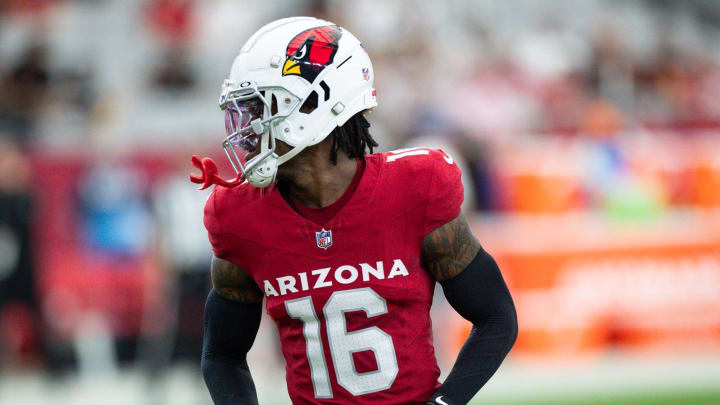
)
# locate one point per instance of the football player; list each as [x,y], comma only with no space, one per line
[344,245]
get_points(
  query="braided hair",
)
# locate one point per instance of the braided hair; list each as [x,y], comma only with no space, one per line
[352,137]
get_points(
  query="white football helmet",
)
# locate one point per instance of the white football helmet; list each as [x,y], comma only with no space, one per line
[295,80]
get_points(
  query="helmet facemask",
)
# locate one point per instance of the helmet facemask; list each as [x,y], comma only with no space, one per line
[255,117]
[251,119]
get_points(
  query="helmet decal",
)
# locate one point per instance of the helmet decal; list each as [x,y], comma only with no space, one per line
[311,51]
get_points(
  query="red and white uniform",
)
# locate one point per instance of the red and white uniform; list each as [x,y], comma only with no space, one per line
[350,298]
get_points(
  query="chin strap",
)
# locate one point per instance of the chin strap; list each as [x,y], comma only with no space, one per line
[209,174]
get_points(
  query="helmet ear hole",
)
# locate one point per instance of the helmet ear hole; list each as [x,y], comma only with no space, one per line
[273,105]
[310,103]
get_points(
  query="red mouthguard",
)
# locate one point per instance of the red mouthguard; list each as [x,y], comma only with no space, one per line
[209,174]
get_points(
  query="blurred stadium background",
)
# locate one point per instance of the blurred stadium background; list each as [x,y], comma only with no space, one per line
[588,131]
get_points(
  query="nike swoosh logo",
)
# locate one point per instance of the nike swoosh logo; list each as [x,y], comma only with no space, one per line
[439,399]
[449,161]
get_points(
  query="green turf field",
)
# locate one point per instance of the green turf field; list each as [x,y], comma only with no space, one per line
[679,398]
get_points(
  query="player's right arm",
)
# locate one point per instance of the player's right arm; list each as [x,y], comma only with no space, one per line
[232,319]
[471,281]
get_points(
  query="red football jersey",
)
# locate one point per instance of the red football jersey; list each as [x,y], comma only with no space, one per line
[349,297]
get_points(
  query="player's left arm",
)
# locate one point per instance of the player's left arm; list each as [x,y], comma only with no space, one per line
[474,286]
[232,318]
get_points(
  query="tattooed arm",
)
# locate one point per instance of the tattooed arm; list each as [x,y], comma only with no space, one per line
[232,319]
[231,282]
[449,249]
[475,288]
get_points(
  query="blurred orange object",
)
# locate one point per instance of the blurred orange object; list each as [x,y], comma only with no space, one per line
[541,176]
[583,284]
[602,119]
[708,184]
[537,193]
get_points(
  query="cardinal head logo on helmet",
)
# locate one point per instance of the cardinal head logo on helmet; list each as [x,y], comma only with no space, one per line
[311,51]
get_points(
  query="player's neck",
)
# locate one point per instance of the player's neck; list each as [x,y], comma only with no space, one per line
[316,182]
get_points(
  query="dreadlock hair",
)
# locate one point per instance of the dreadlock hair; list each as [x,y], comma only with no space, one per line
[352,138]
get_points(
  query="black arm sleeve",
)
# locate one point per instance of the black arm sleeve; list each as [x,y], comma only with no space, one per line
[479,294]
[230,329]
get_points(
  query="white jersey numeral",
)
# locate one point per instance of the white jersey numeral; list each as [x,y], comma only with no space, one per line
[343,343]
[401,153]
[302,309]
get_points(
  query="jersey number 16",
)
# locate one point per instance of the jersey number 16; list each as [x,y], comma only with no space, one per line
[343,343]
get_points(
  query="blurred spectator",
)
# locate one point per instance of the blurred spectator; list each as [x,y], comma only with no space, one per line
[19,315]
[23,91]
[186,254]
[114,211]
[173,21]
[174,72]
[24,6]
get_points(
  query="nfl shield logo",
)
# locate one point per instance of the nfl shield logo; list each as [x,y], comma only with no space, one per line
[324,239]
[366,73]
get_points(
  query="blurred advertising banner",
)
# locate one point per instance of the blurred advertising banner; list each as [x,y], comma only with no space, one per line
[584,284]
[626,175]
